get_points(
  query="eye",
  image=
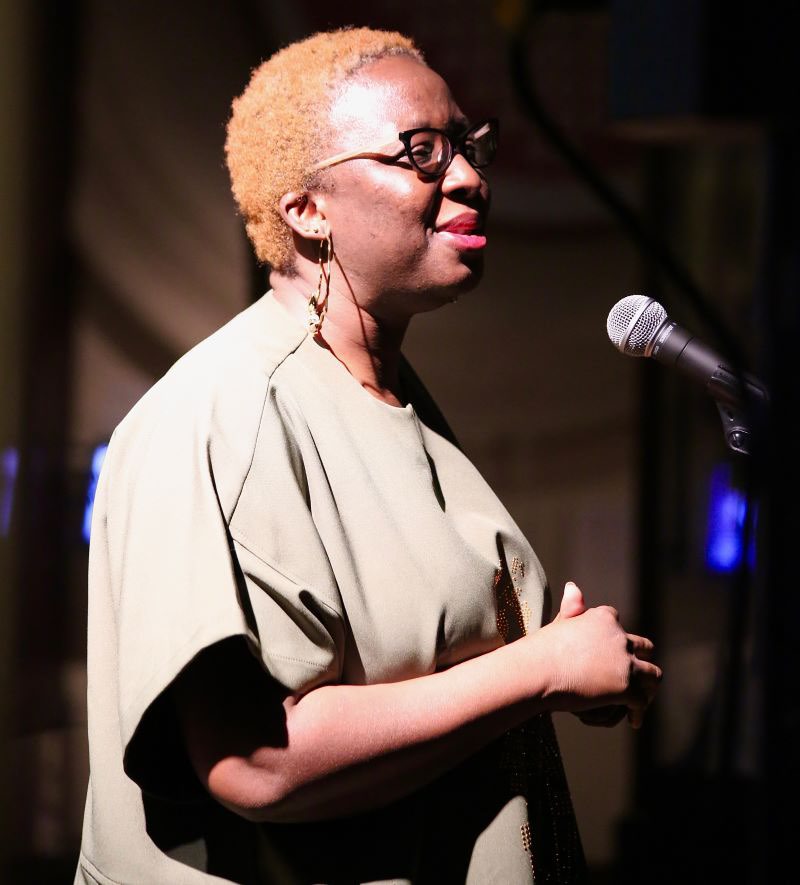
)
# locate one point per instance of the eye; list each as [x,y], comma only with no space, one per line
[479,145]
[426,150]
[470,149]
[423,149]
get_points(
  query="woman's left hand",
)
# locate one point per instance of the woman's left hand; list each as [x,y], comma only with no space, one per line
[572,604]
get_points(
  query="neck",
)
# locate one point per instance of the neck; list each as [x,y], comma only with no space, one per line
[368,346]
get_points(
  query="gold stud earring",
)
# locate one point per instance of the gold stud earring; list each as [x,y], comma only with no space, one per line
[318,301]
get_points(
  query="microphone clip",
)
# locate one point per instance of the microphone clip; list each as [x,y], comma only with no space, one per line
[738,409]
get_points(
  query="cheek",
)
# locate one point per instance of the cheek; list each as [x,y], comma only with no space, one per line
[390,204]
[397,242]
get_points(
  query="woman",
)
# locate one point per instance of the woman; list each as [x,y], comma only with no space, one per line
[316,651]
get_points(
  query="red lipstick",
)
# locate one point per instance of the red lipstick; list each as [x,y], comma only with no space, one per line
[463,231]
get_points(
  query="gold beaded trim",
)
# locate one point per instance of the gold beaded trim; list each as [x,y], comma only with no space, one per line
[513,612]
[532,761]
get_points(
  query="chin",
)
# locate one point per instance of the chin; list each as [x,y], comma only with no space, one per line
[475,273]
[471,273]
[436,297]
[434,290]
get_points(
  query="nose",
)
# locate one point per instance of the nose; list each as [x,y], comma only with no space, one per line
[460,175]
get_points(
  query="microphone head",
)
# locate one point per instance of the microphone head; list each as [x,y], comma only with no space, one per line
[633,323]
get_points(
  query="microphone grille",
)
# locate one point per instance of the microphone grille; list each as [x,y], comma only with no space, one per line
[633,322]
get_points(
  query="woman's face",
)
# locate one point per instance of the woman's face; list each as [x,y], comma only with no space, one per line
[396,232]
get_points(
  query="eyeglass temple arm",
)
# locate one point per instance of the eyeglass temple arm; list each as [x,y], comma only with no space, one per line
[380,153]
[352,155]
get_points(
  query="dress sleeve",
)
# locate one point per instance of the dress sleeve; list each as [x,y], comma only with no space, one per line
[162,549]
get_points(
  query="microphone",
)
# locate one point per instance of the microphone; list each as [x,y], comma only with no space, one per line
[639,326]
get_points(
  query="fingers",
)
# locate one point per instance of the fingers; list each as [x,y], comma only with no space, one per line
[645,678]
[572,602]
[602,668]
[640,646]
[646,673]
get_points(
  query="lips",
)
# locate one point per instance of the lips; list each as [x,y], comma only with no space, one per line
[466,223]
[463,232]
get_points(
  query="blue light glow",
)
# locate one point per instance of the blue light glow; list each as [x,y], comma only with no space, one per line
[727,512]
[98,456]
[9,466]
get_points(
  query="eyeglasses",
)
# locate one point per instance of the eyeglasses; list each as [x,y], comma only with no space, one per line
[430,151]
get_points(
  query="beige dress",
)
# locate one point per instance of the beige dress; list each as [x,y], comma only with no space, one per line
[257,491]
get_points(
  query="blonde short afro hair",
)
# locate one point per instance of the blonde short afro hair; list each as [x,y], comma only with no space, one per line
[278,126]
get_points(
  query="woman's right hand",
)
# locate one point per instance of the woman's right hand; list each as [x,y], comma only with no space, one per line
[595,665]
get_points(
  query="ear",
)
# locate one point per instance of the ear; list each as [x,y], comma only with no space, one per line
[304,214]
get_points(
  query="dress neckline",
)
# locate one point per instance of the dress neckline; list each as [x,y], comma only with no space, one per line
[339,373]
[324,355]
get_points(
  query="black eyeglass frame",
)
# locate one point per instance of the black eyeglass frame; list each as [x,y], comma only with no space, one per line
[454,146]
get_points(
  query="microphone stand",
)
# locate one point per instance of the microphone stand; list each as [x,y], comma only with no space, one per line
[737,420]
[737,412]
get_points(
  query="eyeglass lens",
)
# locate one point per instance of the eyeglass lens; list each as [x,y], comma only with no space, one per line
[431,151]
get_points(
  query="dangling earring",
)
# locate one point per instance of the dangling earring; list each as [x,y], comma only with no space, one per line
[318,302]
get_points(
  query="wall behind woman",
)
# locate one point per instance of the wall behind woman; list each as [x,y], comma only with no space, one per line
[15,89]
[132,253]
[521,367]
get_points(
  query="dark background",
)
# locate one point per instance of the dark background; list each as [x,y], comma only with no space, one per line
[646,147]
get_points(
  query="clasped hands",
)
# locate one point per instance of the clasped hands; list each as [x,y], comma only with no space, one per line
[639,685]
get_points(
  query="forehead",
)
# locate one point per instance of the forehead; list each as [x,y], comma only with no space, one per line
[389,96]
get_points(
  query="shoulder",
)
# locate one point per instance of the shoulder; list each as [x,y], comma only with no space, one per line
[208,408]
